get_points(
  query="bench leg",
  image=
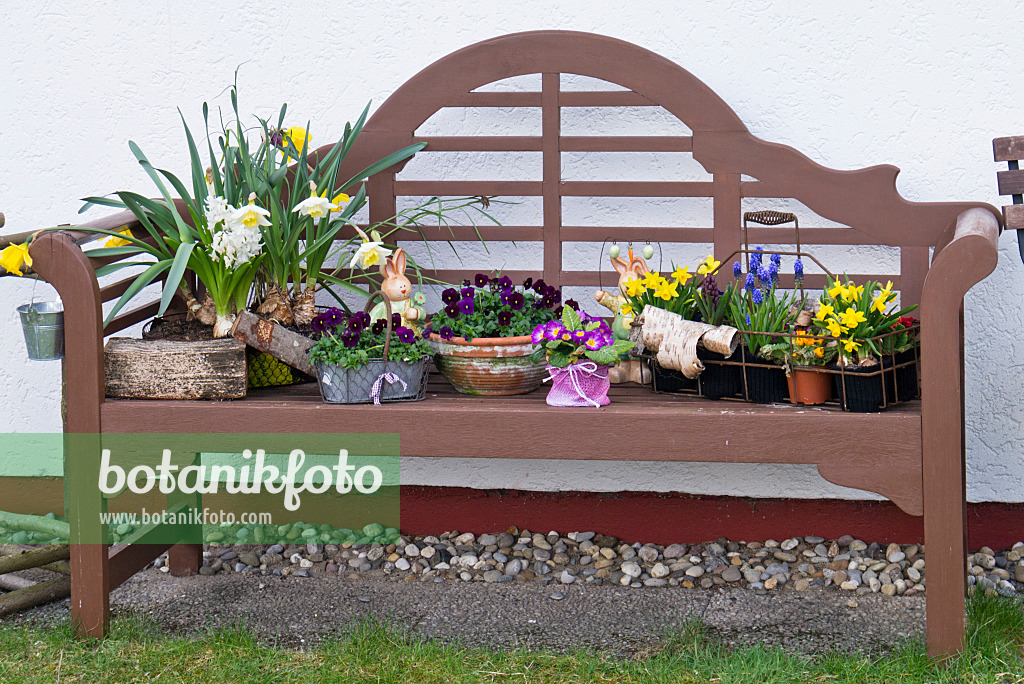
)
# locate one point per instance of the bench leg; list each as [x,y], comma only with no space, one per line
[90,600]
[186,558]
[945,549]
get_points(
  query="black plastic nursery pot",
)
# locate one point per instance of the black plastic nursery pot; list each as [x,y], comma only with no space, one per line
[719,380]
[906,375]
[766,384]
[867,389]
[669,380]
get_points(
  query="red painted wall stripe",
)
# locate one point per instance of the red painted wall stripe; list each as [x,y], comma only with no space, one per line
[667,518]
[634,516]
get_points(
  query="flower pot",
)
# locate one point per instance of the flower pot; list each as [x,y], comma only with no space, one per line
[809,385]
[906,376]
[388,380]
[669,380]
[719,380]
[492,366]
[43,326]
[866,389]
[584,383]
[765,382]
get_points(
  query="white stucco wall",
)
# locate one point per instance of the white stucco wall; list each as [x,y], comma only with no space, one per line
[922,85]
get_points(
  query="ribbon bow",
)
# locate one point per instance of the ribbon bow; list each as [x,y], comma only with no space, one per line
[580,367]
[388,376]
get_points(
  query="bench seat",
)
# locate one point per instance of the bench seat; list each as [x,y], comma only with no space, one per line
[639,425]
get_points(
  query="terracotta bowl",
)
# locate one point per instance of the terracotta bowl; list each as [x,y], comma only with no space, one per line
[492,366]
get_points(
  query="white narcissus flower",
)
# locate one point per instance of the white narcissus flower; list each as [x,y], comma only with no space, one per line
[316,207]
[369,254]
[251,215]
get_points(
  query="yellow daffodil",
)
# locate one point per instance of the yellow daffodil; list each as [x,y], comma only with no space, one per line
[116,241]
[297,136]
[626,310]
[819,352]
[667,291]
[850,345]
[824,311]
[852,292]
[851,317]
[682,275]
[837,290]
[834,329]
[635,287]
[708,265]
[14,257]
[878,304]
[338,200]
[652,279]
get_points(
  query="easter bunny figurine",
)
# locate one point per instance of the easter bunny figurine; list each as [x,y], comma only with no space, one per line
[398,290]
[626,370]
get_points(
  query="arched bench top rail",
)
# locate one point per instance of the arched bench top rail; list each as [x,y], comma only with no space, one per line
[864,199]
[659,80]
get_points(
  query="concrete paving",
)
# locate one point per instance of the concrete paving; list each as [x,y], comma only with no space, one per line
[298,612]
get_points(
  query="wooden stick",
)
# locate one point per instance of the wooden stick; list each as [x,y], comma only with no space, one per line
[34,558]
[35,523]
[37,594]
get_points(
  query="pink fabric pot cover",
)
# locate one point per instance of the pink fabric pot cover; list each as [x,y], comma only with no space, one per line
[584,383]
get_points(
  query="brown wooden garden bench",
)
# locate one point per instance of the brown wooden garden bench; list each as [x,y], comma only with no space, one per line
[912,454]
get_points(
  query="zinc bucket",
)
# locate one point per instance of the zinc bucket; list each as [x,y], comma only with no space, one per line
[43,325]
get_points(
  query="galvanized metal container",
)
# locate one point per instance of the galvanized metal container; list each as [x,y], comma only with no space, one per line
[43,325]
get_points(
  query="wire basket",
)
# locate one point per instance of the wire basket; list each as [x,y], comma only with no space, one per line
[381,380]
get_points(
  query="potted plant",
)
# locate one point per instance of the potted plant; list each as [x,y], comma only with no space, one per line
[809,354]
[764,317]
[861,318]
[713,306]
[580,351]
[676,294]
[358,361]
[481,339]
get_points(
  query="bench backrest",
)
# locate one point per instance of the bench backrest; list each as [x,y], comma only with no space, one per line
[864,203]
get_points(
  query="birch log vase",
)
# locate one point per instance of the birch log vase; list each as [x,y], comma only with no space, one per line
[674,340]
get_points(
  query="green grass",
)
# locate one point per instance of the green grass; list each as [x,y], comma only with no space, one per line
[375,652]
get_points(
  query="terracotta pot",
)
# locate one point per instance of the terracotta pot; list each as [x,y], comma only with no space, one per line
[809,386]
[492,366]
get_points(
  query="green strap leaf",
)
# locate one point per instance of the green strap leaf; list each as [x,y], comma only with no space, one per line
[174,275]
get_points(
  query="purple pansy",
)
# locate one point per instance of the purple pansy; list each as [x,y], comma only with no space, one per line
[467,292]
[405,334]
[539,286]
[481,280]
[516,300]
[450,296]
[466,305]
[452,310]
[572,304]
[504,318]
[446,333]
[350,339]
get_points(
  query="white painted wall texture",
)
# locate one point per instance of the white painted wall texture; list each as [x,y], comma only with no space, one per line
[922,85]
